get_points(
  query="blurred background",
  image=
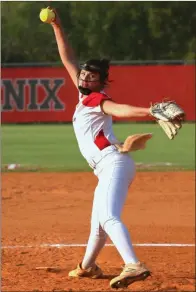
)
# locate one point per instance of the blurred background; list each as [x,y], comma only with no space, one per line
[123,31]
[152,48]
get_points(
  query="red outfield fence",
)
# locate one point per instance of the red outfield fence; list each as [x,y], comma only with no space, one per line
[47,94]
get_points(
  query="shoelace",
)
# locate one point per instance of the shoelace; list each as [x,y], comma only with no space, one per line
[127,269]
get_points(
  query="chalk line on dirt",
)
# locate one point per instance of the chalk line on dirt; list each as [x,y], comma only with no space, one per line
[64,245]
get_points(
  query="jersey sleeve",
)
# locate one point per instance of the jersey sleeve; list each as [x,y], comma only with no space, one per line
[94,100]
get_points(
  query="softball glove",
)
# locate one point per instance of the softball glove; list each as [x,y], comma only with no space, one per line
[169,116]
[134,143]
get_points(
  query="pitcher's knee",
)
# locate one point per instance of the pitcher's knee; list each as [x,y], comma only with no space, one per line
[108,222]
[98,233]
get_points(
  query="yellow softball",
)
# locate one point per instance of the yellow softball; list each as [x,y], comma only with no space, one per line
[47,15]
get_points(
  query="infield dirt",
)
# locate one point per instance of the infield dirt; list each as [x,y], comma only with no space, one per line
[55,208]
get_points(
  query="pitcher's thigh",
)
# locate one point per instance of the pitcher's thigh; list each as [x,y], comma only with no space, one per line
[113,187]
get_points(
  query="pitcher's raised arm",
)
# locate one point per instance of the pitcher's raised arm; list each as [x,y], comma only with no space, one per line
[65,49]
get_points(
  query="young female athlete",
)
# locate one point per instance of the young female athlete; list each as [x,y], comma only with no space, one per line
[92,122]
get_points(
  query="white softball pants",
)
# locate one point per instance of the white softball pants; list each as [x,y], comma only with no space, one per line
[115,173]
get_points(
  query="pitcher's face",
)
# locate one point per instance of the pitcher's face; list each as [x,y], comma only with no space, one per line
[90,80]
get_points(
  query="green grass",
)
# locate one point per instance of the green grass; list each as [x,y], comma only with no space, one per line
[54,147]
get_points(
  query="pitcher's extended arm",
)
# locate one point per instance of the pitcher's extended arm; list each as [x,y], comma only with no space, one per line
[65,50]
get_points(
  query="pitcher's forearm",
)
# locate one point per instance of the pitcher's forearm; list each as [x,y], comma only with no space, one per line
[66,53]
[124,110]
[127,111]
[65,50]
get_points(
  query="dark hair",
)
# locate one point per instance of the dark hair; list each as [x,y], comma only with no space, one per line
[97,65]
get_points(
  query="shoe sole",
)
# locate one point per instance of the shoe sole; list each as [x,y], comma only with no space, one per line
[90,277]
[125,282]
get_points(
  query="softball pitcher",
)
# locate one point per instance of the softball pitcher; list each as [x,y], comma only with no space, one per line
[115,169]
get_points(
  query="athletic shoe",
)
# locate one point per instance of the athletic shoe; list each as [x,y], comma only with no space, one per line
[130,274]
[93,272]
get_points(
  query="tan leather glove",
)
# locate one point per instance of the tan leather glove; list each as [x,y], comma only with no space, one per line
[170,128]
[134,143]
[169,116]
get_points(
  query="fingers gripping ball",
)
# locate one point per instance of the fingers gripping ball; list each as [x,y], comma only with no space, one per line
[47,15]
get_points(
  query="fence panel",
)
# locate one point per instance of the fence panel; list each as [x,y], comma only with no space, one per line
[47,94]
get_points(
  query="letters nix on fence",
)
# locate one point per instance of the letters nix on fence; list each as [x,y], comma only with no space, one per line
[47,94]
